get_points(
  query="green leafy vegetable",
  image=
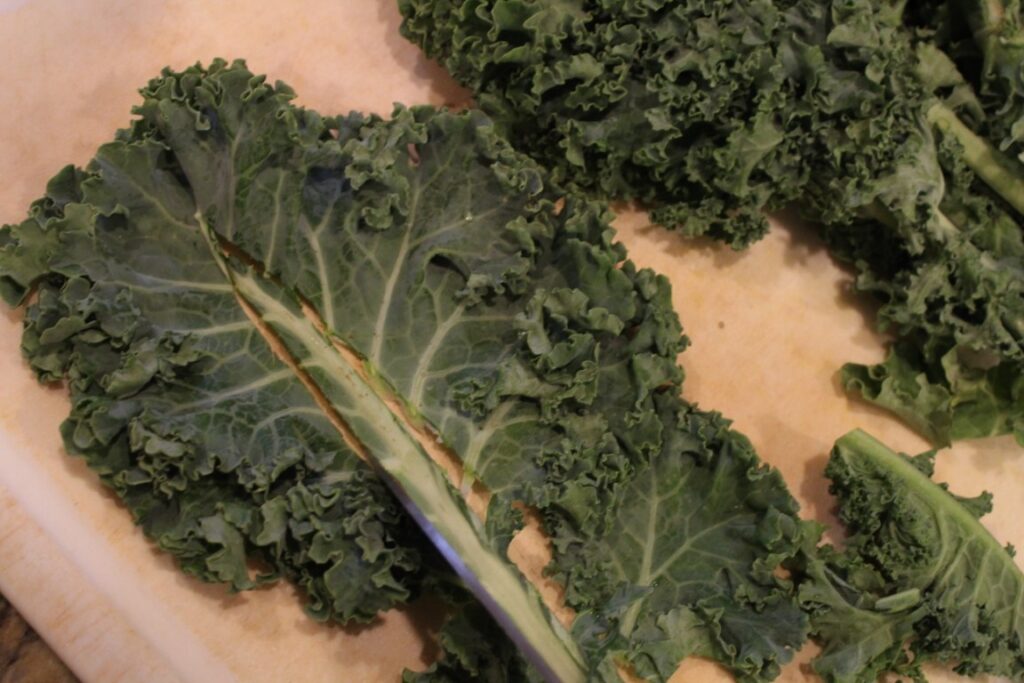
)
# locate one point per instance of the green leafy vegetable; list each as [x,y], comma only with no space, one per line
[881,120]
[684,564]
[497,309]
[181,407]
[997,33]
[920,579]
[685,105]
[475,648]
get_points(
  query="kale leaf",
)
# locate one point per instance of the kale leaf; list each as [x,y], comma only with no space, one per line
[897,126]
[685,105]
[920,579]
[496,308]
[181,406]
[685,565]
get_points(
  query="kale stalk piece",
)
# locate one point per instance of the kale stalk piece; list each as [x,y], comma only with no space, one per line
[998,30]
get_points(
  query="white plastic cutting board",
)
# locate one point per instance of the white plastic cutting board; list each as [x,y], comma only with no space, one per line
[769,329]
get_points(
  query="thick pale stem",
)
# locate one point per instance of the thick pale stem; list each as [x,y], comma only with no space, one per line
[948,226]
[414,477]
[880,213]
[860,444]
[1004,175]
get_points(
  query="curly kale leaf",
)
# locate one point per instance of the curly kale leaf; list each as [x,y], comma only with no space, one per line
[499,311]
[997,29]
[858,111]
[535,351]
[956,300]
[180,406]
[928,212]
[684,105]
[686,565]
[133,257]
[920,579]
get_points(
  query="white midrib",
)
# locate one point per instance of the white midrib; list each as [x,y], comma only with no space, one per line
[397,452]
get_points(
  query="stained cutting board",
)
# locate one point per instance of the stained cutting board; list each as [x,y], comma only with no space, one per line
[769,329]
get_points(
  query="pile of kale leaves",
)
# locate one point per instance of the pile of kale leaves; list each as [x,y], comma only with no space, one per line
[496,307]
[895,125]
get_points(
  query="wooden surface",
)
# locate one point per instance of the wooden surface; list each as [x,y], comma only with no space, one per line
[24,658]
[769,329]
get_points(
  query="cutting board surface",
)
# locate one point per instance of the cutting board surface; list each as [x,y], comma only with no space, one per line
[769,326]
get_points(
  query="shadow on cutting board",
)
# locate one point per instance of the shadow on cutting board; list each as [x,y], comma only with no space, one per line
[451,93]
[24,656]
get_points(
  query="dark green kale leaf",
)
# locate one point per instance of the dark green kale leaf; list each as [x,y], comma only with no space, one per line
[920,579]
[215,444]
[686,564]
[540,357]
[182,408]
[690,106]
[933,227]
[858,111]
[498,310]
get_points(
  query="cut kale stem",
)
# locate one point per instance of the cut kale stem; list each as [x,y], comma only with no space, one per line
[1004,175]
